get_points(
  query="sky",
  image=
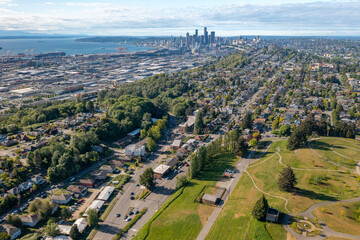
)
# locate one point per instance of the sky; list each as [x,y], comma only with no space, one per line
[169,17]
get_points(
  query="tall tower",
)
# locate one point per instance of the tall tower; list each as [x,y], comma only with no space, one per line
[187,39]
[196,33]
[206,36]
[212,37]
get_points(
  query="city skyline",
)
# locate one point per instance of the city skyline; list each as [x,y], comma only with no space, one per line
[160,18]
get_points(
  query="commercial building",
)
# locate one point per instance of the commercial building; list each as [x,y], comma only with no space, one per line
[161,170]
[106,193]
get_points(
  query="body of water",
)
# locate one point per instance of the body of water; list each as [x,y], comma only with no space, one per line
[67,45]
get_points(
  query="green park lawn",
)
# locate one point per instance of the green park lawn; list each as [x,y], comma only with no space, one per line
[340,217]
[346,147]
[183,218]
[313,186]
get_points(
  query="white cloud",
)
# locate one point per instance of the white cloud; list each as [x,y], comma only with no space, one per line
[106,18]
[5,1]
[50,3]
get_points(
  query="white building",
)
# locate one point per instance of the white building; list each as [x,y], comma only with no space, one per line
[106,193]
[96,204]
[135,150]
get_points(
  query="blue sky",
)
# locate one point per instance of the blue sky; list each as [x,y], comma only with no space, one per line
[161,17]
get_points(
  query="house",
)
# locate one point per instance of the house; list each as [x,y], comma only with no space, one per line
[30,220]
[135,150]
[107,168]
[87,182]
[99,175]
[124,158]
[26,186]
[38,179]
[161,171]
[272,215]
[9,143]
[14,232]
[210,199]
[15,191]
[176,144]
[135,133]
[171,162]
[81,224]
[117,163]
[98,149]
[77,190]
[190,121]
[62,199]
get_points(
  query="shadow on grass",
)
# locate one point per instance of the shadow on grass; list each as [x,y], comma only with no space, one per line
[313,195]
[320,145]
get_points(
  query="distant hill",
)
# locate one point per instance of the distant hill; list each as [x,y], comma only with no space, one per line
[27,35]
[108,39]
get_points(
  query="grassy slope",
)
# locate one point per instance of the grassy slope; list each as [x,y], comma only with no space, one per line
[183,219]
[340,217]
[234,220]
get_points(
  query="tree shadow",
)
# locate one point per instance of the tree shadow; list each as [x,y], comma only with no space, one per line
[320,145]
[163,190]
[313,195]
[106,228]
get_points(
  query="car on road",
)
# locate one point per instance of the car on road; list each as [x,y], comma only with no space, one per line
[118,215]
[72,179]
[187,164]
[137,184]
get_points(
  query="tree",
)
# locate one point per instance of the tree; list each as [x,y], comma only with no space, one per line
[4,236]
[14,220]
[92,218]
[52,229]
[89,106]
[199,124]
[260,208]
[150,144]
[248,121]
[65,213]
[181,181]
[253,142]
[147,178]
[287,180]
[284,130]
[74,233]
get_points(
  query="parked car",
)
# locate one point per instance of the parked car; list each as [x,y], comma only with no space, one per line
[118,215]
[128,220]
[136,212]
[137,184]
[132,198]
[126,216]
[132,193]
[131,213]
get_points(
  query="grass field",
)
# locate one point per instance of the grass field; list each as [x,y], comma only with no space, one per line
[349,148]
[340,217]
[315,185]
[183,218]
